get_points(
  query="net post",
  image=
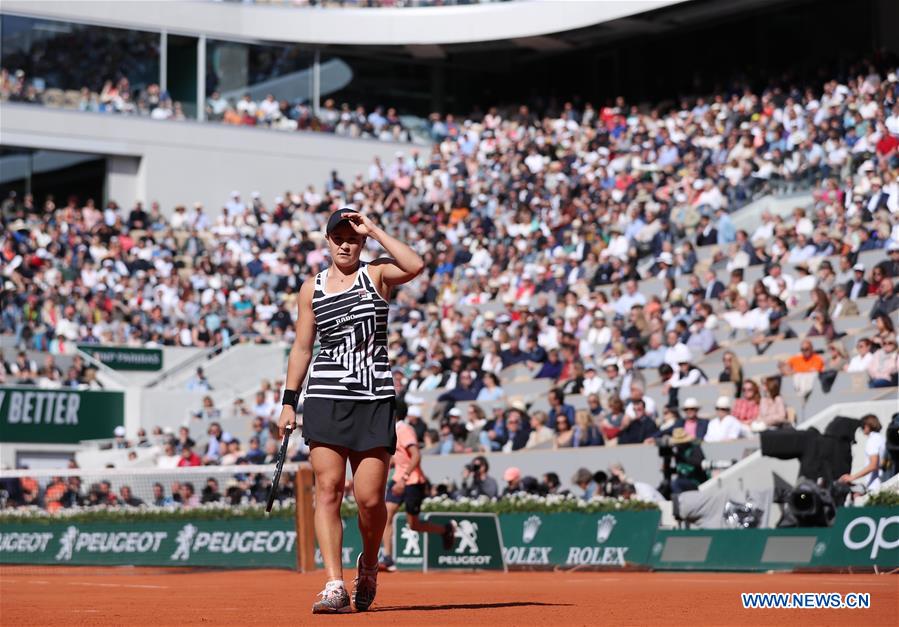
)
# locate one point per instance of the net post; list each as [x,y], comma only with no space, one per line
[304,520]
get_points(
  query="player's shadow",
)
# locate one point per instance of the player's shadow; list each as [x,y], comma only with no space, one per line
[464,606]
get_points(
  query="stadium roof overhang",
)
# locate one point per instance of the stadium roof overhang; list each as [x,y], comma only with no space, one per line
[539,25]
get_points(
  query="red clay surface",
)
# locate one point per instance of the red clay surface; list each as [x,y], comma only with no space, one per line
[133,596]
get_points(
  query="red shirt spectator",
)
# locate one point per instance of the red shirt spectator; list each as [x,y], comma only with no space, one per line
[189,458]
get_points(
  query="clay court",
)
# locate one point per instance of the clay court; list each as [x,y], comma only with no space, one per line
[134,596]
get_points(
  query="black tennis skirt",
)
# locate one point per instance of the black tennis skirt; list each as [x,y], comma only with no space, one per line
[356,425]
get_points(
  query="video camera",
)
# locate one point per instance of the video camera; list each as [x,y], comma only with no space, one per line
[823,459]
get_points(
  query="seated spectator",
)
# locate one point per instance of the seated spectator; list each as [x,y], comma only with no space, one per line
[862,358]
[127,498]
[649,405]
[821,326]
[585,487]
[231,452]
[746,408]
[636,428]
[466,390]
[492,391]
[142,440]
[517,429]
[778,329]
[772,409]
[690,422]
[512,477]
[551,368]
[119,440]
[841,305]
[835,362]
[884,327]
[724,426]
[592,382]
[733,370]
[211,493]
[254,453]
[887,301]
[159,497]
[594,406]
[687,375]
[655,353]
[209,411]
[475,421]
[564,432]
[803,367]
[540,433]
[611,420]
[187,495]
[558,407]
[169,457]
[199,382]
[585,431]
[884,365]
[214,445]
[188,457]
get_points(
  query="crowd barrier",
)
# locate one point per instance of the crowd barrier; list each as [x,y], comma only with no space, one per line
[861,537]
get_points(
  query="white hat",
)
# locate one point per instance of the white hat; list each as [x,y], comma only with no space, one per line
[894,246]
[235,194]
[255,194]
[859,267]
[455,411]
[414,410]
[723,402]
[681,354]
[415,314]
[666,258]
[691,403]
[119,431]
[490,315]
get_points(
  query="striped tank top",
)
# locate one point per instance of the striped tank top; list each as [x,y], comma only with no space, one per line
[352,362]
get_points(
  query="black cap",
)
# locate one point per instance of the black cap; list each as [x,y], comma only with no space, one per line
[336,218]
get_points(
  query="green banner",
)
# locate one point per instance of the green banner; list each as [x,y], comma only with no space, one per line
[125,357]
[29,414]
[478,544]
[860,537]
[613,540]
[863,536]
[352,545]
[248,543]
[408,545]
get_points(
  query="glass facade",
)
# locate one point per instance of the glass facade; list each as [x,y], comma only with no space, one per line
[235,68]
[69,56]
[50,175]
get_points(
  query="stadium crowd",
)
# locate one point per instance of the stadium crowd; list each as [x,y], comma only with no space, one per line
[120,98]
[589,253]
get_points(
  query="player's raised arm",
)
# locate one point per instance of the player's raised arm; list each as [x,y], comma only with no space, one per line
[405,264]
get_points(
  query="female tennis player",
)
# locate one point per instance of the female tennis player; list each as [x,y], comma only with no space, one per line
[348,410]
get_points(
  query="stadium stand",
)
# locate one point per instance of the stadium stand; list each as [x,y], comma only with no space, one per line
[589,260]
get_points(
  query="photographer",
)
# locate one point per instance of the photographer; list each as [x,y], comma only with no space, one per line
[476,482]
[875,451]
[682,459]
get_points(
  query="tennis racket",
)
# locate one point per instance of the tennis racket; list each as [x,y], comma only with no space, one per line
[279,466]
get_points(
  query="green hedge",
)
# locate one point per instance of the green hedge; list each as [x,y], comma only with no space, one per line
[884,498]
[217,511]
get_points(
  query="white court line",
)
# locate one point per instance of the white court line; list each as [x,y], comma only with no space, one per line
[117,585]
